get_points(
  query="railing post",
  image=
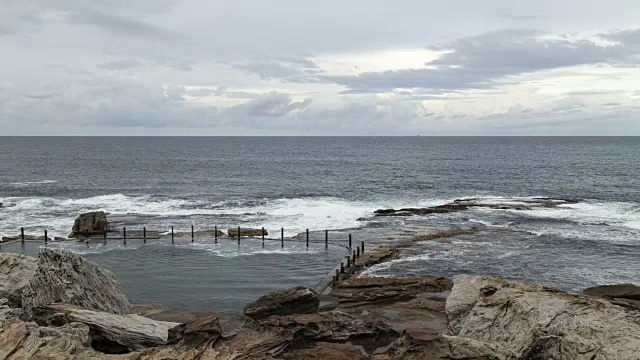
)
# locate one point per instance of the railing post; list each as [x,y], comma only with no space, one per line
[172,235]
[282,236]
[192,233]
[46,238]
[363,247]
[144,234]
[326,239]
[124,235]
[215,234]
[358,251]
[307,238]
[353,259]
[22,234]
[238,235]
[348,261]
[349,241]
[337,275]
[341,267]
[262,236]
[104,235]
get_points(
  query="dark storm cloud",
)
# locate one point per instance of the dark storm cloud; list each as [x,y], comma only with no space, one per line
[478,62]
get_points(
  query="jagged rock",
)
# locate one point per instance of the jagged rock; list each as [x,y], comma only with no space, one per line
[624,291]
[120,332]
[233,232]
[208,327]
[368,291]
[419,344]
[298,300]
[91,223]
[27,340]
[15,272]
[66,277]
[520,317]
[27,237]
[7,312]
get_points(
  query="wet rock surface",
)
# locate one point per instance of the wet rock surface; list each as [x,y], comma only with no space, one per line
[246,232]
[65,277]
[88,224]
[622,291]
[298,300]
[466,204]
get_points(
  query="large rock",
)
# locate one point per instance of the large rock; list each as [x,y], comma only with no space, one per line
[298,300]
[535,322]
[65,277]
[16,270]
[114,332]
[233,232]
[91,223]
[624,291]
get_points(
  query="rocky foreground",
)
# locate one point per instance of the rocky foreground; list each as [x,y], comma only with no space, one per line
[61,306]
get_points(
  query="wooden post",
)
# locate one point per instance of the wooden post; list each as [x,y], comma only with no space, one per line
[358,251]
[341,267]
[282,236]
[348,261]
[22,234]
[172,235]
[191,233]
[353,259]
[144,234]
[326,239]
[349,241]
[124,235]
[307,238]
[46,238]
[104,235]
[238,235]
[215,234]
[337,275]
[263,237]
[363,248]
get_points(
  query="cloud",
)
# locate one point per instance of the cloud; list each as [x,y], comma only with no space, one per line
[480,62]
[295,69]
[272,104]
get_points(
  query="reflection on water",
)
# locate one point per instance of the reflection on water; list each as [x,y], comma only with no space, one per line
[202,276]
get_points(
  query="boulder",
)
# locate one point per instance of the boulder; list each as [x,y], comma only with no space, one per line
[624,291]
[535,322]
[7,312]
[65,277]
[91,223]
[15,272]
[27,340]
[117,333]
[298,300]
[233,232]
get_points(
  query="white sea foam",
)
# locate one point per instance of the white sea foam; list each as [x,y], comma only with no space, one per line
[32,183]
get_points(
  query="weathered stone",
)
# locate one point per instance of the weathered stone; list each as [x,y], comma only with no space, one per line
[91,223]
[520,317]
[66,277]
[233,232]
[27,340]
[375,290]
[298,300]
[208,327]
[27,237]
[128,332]
[7,312]
[15,272]
[420,344]
[624,291]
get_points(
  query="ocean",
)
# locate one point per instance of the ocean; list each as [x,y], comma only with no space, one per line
[331,183]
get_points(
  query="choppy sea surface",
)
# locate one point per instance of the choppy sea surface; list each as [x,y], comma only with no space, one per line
[330,183]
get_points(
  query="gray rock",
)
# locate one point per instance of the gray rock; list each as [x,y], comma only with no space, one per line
[233,232]
[298,300]
[87,224]
[132,332]
[624,291]
[15,272]
[7,312]
[65,277]
[535,322]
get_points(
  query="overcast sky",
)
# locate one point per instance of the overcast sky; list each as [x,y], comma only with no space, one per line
[296,67]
